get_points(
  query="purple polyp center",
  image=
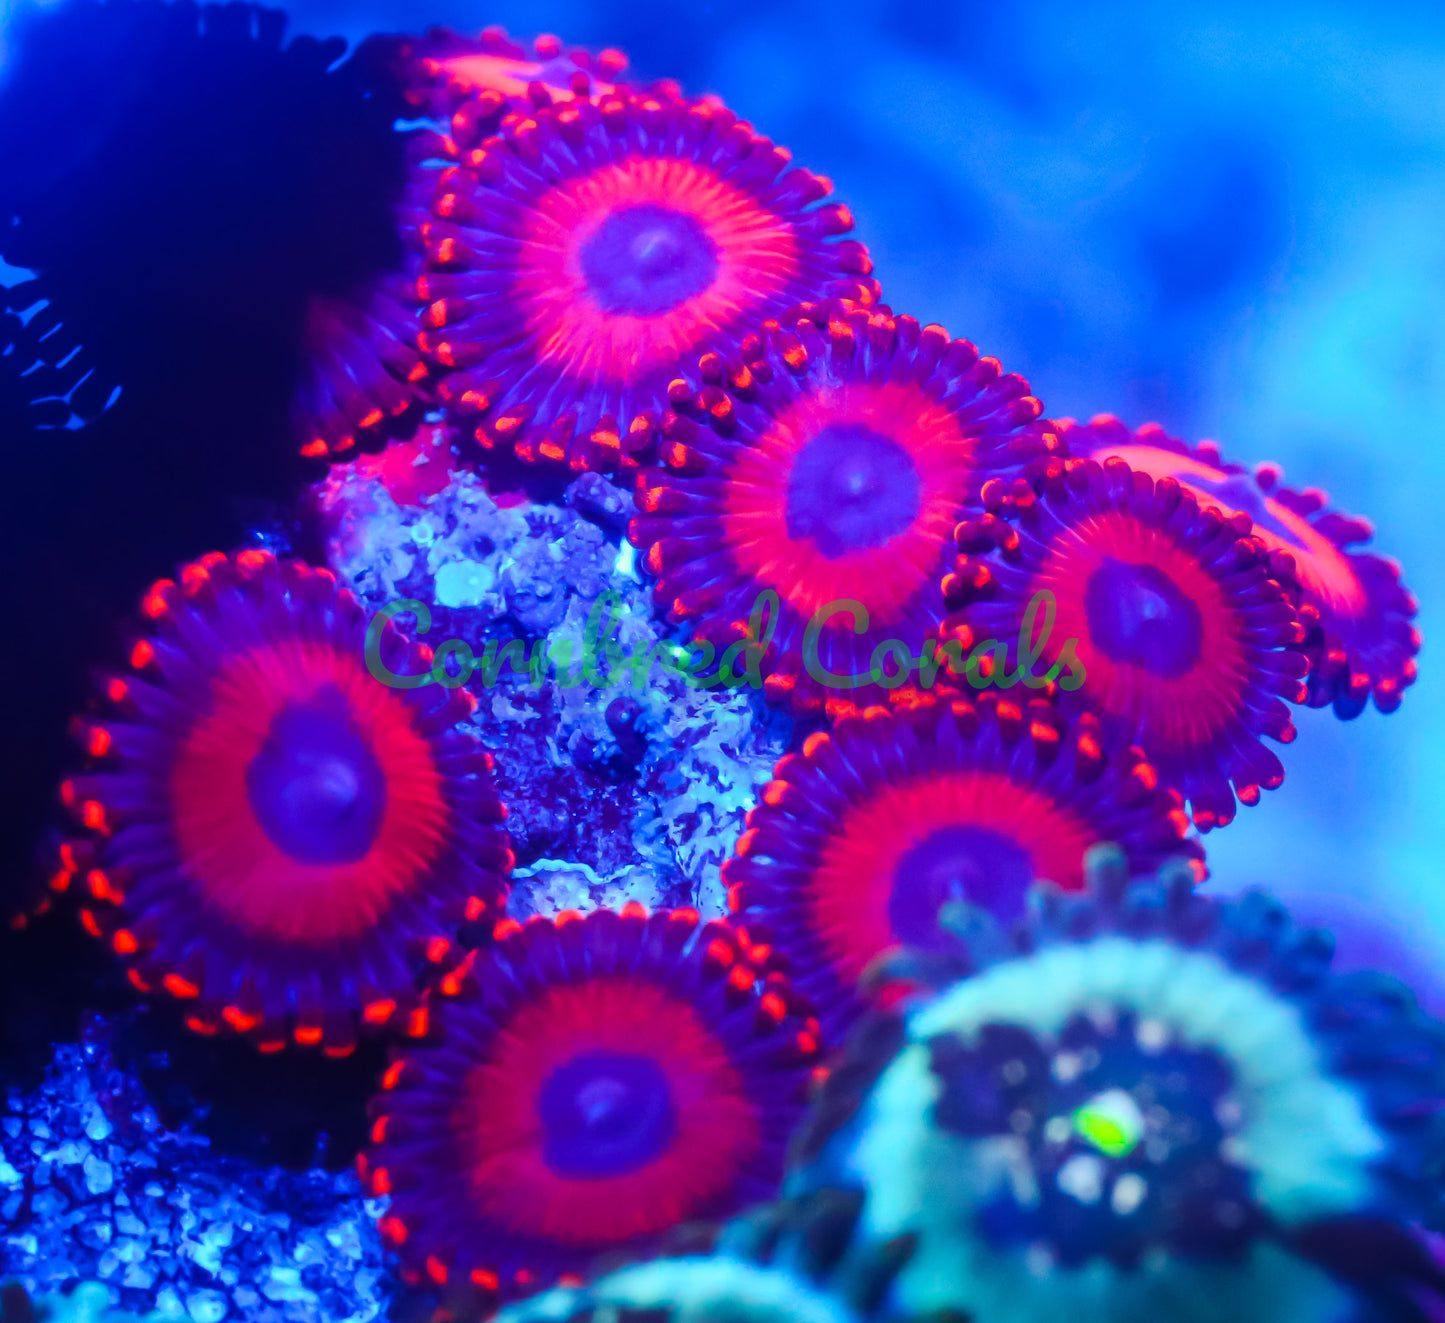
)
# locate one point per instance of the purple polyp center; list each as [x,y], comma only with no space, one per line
[645,260]
[315,786]
[605,1114]
[979,867]
[851,488]
[1138,615]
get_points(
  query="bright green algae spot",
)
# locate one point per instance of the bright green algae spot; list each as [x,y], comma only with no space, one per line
[1111,1122]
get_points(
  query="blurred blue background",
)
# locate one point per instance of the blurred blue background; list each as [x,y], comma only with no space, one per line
[1227,218]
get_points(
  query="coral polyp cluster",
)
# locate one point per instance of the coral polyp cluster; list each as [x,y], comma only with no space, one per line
[969,1010]
[584,259]
[1363,643]
[275,836]
[1154,1101]
[596,1081]
[867,833]
[829,470]
[1171,622]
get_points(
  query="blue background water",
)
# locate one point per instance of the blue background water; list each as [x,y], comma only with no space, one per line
[1224,217]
